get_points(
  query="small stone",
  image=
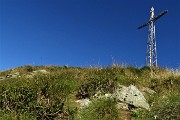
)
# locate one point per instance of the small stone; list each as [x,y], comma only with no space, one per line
[83,102]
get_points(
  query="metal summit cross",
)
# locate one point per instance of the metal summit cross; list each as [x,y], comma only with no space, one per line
[151,53]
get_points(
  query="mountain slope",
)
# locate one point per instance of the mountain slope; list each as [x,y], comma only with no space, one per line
[51,92]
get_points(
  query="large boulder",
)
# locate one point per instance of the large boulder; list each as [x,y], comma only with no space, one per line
[131,95]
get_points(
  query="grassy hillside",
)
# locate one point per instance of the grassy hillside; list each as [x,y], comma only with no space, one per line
[50,92]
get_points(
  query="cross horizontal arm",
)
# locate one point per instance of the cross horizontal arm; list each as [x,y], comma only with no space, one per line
[153,19]
[160,15]
[144,25]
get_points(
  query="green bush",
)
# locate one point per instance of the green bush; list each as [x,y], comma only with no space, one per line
[28,68]
[96,85]
[17,99]
[102,109]
[163,108]
[16,116]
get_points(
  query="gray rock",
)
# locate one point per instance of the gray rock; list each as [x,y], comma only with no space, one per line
[40,71]
[31,75]
[83,103]
[131,95]
[13,75]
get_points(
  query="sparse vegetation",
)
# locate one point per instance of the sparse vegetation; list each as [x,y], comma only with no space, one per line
[52,95]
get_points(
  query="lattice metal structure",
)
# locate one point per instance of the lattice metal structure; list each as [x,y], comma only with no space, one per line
[151,53]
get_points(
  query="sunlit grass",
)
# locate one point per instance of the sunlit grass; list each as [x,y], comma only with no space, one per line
[53,95]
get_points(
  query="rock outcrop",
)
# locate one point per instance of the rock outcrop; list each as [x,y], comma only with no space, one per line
[131,95]
[126,97]
[32,74]
[11,75]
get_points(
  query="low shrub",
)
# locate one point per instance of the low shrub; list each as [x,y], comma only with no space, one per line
[102,109]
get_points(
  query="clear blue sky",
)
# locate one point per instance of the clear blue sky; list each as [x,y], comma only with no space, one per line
[86,32]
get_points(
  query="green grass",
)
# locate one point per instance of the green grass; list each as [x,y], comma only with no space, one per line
[102,109]
[15,116]
[53,95]
[164,108]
